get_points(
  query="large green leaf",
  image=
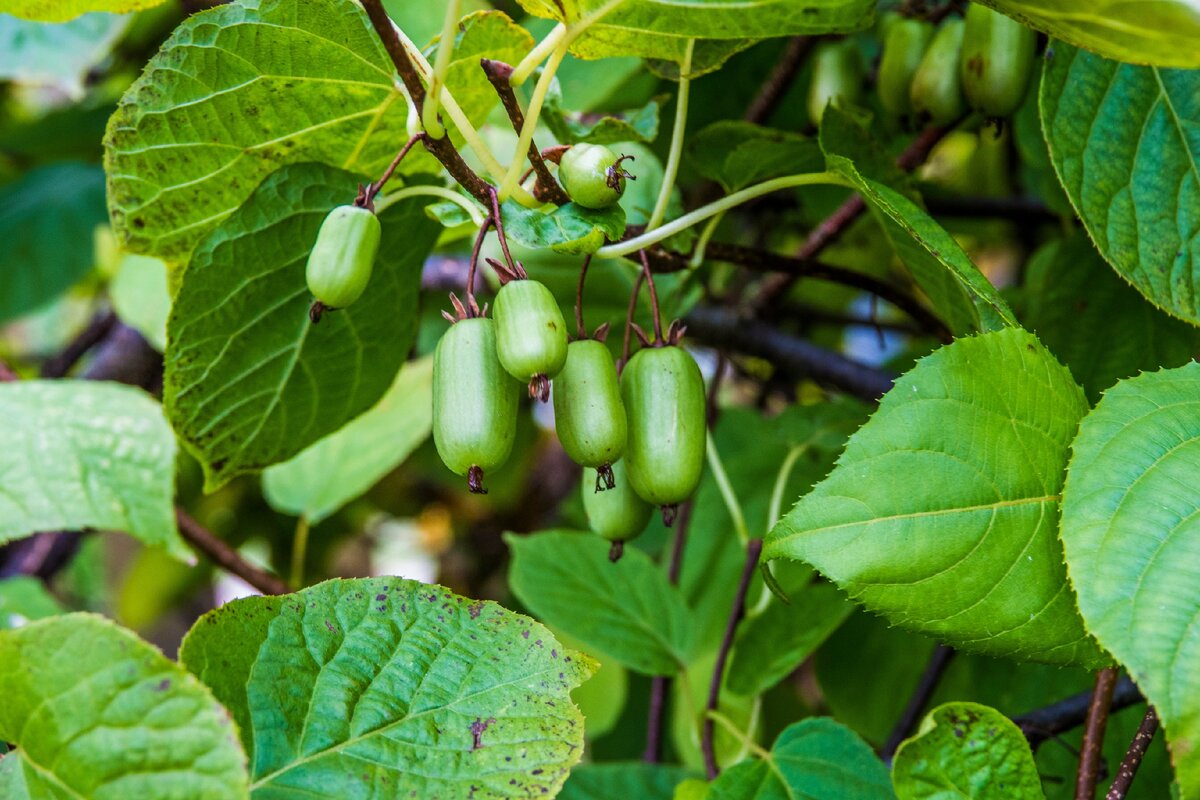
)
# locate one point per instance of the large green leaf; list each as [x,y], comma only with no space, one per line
[1095,322]
[1125,142]
[814,759]
[97,713]
[86,454]
[343,465]
[1163,32]
[23,599]
[241,89]
[631,780]
[626,611]
[966,750]
[387,688]
[249,380]
[1131,531]
[47,219]
[60,10]
[660,28]
[960,293]
[942,512]
[56,55]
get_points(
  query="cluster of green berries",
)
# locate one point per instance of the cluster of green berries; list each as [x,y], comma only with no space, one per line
[983,61]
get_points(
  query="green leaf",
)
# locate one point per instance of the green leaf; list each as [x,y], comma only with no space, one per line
[814,759]
[343,465]
[960,293]
[1124,142]
[1162,33]
[141,297]
[638,125]
[47,219]
[632,779]
[942,512]
[736,154]
[1130,532]
[966,750]
[96,712]
[226,101]
[770,644]
[86,454]
[424,693]
[56,55]
[568,229]
[249,380]
[660,28]
[61,10]
[1095,322]
[23,599]
[626,611]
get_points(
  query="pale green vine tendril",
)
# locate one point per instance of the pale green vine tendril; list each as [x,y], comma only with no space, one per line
[537,55]
[774,510]
[412,125]
[718,207]
[748,744]
[702,243]
[299,550]
[477,216]
[429,116]
[473,140]
[731,501]
[676,152]
[512,178]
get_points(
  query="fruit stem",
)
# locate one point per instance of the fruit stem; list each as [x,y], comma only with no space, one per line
[656,315]
[633,297]
[676,151]
[374,188]
[580,330]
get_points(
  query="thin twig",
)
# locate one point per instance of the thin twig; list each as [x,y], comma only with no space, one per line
[1057,718]
[498,224]
[629,315]
[220,553]
[498,74]
[707,744]
[1133,756]
[441,149]
[1092,750]
[391,168]
[473,265]
[780,80]
[95,332]
[926,686]
[788,354]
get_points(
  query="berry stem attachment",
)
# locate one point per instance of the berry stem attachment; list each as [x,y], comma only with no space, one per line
[655,313]
[373,189]
[633,298]
[580,330]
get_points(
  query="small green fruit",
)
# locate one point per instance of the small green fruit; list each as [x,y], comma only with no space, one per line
[902,52]
[617,514]
[474,401]
[339,266]
[531,335]
[837,78]
[664,400]
[588,412]
[997,61]
[592,175]
[936,88]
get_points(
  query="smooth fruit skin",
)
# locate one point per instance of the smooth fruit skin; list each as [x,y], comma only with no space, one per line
[665,407]
[617,514]
[588,412]
[997,61]
[474,399]
[583,172]
[339,266]
[531,334]
[837,78]
[902,52]
[936,92]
